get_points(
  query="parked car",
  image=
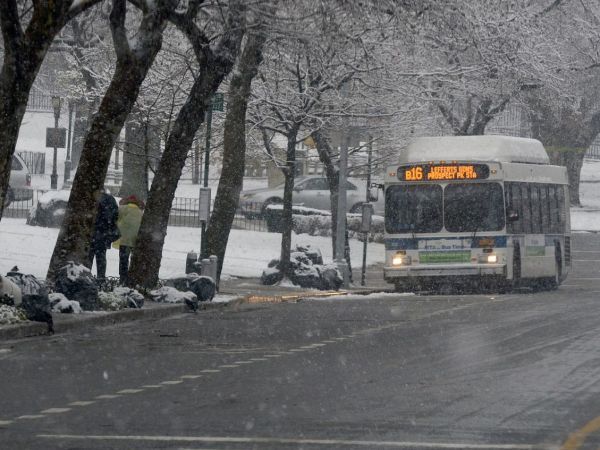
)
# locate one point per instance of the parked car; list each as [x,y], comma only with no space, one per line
[310,192]
[19,185]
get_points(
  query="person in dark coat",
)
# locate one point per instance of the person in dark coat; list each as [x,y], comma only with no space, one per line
[105,232]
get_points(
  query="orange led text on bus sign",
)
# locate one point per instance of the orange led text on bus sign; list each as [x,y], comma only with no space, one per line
[431,172]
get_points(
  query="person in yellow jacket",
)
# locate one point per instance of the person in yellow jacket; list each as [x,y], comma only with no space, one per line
[130,218]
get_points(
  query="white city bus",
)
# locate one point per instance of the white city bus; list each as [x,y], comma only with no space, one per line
[489,209]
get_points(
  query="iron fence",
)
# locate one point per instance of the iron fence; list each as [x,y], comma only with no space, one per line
[593,152]
[35,161]
[184,211]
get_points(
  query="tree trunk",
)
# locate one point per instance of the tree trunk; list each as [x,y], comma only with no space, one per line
[214,67]
[333,177]
[572,159]
[234,150]
[289,173]
[135,162]
[73,241]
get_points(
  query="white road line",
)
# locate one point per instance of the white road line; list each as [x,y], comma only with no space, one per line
[5,422]
[297,350]
[31,416]
[210,371]
[229,366]
[171,382]
[258,359]
[55,410]
[151,386]
[330,341]
[81,403]
[4,350]
[244,362]
[130,391]
[107,396]
[190,377]
[298,441]
[273,356]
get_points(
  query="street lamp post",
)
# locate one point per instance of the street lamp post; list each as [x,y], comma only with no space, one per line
[56,107]
[68,160]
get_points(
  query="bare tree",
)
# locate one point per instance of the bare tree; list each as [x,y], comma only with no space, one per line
[133,62]
[234,140]
[27,34]
[214,63]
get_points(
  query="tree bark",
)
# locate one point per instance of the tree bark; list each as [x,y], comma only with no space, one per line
[289,174]
[234,149]
[572,159]
[135,162]
[132,66]
[333,177]
[24,52]
[215,66]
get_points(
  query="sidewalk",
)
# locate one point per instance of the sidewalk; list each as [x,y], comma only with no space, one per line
[237,292]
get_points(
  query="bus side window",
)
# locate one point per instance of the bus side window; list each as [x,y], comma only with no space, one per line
[513,202]
[553,208]
[536,216]
[560,199]
[545,202]
[527,225]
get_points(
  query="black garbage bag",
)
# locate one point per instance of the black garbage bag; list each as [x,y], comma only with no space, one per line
[76,282]
[35,301]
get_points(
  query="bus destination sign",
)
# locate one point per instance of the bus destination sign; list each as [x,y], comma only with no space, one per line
[443,172]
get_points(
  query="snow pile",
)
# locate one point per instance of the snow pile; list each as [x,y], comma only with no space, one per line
[61,304]
[169,294]
[11,314]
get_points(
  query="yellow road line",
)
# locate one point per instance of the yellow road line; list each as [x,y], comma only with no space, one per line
[577,438]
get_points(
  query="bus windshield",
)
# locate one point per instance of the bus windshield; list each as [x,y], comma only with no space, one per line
[467,207]
[413,208]
[473,207]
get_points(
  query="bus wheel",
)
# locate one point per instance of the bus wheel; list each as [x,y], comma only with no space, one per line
[516,280]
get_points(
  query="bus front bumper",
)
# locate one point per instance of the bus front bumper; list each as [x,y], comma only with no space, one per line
[444,270]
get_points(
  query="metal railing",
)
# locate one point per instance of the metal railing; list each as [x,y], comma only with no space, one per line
[184,211]
[593,152]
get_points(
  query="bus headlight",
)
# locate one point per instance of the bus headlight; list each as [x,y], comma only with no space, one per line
[400,259]
[489,258]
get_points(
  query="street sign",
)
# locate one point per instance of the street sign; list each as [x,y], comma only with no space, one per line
[204,206]
[218,102]
[56,137]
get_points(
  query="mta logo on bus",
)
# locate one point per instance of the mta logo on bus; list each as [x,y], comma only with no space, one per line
[443,172]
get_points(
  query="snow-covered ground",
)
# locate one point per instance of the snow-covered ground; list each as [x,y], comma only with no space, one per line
[587,218]
[248,252]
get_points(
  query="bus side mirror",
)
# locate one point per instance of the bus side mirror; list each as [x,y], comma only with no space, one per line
[512,215]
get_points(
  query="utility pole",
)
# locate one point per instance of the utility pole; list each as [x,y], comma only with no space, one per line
[368,199]
[67,174]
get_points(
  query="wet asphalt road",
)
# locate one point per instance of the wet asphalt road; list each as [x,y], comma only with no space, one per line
[517,371]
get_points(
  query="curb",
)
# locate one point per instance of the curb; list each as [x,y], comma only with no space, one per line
[78,321]
[74,322]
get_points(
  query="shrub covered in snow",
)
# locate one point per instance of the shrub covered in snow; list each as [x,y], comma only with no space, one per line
[308,270]
[49,210]
[34,297]
[109,301]
[11,314]
[320,225]
[61,304]
[120,298]
[77,283]
[169,294]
